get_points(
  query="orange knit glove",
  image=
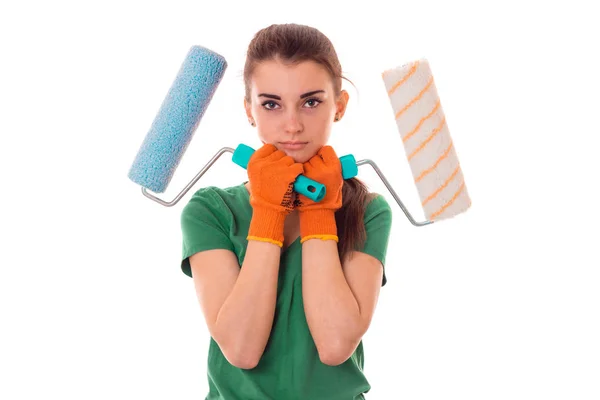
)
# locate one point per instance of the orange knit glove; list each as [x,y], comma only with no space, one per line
[317,220]
[272,175]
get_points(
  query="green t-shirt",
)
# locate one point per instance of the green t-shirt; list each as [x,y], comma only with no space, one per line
[290,367]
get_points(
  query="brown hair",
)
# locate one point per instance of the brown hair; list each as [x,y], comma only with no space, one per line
[293,43]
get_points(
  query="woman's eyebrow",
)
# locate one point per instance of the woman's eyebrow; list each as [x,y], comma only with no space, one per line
[273,96]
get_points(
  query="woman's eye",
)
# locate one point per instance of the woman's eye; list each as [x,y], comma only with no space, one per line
[315,102]
[269,102]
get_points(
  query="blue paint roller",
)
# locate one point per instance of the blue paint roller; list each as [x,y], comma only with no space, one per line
[177,120]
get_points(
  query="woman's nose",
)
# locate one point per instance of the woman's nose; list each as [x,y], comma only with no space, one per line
[293,123]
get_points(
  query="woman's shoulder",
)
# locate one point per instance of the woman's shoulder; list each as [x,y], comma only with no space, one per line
[375,199]
[217,199]
[236,191]
[375,204]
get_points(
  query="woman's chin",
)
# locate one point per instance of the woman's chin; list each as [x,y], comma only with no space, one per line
[299,156]
[302,160]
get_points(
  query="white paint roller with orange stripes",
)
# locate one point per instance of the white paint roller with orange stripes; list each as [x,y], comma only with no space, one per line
[427,143]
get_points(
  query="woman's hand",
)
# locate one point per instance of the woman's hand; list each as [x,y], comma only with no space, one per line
[317,219]
[271,174]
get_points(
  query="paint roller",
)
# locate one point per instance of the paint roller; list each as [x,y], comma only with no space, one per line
[193,89]
[428,146]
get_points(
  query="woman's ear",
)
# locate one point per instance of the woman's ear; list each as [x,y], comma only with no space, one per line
[248,108]
[341,103]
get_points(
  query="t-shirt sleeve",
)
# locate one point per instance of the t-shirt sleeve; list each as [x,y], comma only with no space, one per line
[204,226]
[378,224]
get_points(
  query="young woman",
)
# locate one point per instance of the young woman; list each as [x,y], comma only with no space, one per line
[288,286]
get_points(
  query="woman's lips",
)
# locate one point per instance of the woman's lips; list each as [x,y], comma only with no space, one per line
[293,146]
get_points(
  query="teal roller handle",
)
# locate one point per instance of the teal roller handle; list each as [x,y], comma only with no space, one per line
[310,188]
[349,168]
[303,185]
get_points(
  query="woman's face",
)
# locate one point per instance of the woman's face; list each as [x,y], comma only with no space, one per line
[294,106]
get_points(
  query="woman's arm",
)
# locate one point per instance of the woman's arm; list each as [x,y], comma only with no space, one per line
[239,304]
[339,301]
[332,312]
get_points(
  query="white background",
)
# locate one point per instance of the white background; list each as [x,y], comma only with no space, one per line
[501,302]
